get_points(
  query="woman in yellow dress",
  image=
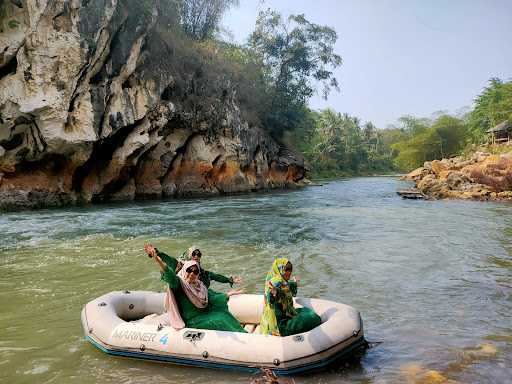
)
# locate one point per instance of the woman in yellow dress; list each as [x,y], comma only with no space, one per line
[280,318]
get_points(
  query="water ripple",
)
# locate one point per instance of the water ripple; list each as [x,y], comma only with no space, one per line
[433,280]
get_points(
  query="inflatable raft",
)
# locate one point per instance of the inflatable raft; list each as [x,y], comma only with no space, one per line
[109,324]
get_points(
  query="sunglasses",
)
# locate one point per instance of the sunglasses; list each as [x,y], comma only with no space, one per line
[197,253]
[195,271]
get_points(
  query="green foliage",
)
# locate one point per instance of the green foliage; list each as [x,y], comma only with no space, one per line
[13,24]
[276,73]
[453,134]
[426,140]
[492,106]
[297,55]
[338,144]
[420,140]
[200,19]
[210,76]
[248,77]
[413,125]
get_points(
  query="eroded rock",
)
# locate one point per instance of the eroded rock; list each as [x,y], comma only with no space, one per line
[91,110]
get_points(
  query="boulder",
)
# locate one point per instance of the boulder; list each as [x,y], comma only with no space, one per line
[428,184]
[456,180]
[483,177]
[506,195]
[417,174]
[439,166]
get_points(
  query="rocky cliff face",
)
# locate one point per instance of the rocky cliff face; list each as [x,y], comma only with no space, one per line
[92,108]
[481,177]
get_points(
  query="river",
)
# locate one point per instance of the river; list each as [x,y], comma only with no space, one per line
[432,279]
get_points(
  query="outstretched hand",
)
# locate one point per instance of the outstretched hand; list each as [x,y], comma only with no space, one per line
[237,280]
[235,292]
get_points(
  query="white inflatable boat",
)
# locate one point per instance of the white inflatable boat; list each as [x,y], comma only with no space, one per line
[108,324]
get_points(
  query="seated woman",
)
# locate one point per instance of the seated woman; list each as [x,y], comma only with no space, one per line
[189,303]
[279,317]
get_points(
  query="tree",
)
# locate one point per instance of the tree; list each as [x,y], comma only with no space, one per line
[413,125]
[369,131]
[338,146]
[444,137]
[200,18]
[299,55]
[453,134]
[492,106]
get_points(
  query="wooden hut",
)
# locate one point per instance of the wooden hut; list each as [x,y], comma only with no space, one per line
[502,133]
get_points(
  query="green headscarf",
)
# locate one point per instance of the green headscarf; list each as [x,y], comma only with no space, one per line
[275,279]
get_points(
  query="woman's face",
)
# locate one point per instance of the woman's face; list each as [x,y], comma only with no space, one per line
[196,255]
[191,273]
[288,271]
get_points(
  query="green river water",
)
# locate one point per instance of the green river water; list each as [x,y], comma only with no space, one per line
[432,279]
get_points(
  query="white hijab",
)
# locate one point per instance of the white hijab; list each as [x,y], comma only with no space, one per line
[196,292]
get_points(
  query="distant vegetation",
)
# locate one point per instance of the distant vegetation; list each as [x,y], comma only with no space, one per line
[338,144]
[445,135]
[283,64]
[427,139]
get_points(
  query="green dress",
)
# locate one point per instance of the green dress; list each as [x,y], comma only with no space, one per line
[280,318]
[205,276]
[215,316]
[305,319]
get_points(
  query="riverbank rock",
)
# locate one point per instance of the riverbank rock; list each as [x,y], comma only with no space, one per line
[481,177]
[97,104]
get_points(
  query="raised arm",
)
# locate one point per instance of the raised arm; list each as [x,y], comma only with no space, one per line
[168,273]
[220,278]
[170,261]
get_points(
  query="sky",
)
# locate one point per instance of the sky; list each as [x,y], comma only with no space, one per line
[402,57]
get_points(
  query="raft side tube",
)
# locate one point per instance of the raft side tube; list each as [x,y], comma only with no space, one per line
[105,325]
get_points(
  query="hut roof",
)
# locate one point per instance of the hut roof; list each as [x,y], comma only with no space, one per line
[503,126]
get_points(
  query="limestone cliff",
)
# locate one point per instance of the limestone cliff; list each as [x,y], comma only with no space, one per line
[93,108]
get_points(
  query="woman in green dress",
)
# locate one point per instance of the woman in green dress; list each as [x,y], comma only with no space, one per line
[194,253]
[188,302]
[279,317]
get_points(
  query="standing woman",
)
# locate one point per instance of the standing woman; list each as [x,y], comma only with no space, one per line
[279,317]
[197,306]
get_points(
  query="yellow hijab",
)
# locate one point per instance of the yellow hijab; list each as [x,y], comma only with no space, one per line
[275,279]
